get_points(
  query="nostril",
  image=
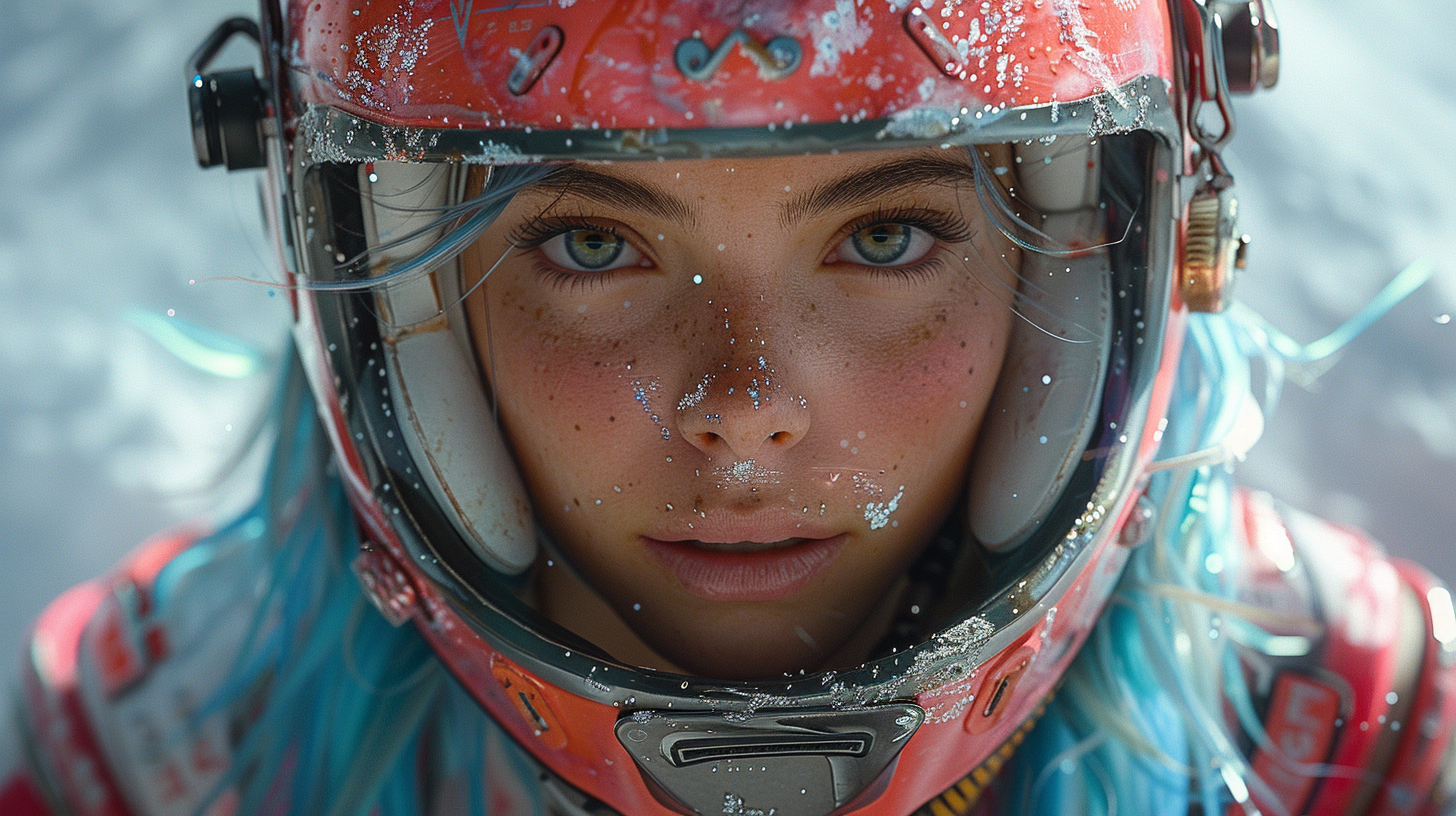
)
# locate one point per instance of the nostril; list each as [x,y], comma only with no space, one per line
[779,436]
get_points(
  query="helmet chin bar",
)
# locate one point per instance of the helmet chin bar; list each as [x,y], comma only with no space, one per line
[790,763]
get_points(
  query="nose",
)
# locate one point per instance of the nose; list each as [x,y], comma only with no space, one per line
[743,410]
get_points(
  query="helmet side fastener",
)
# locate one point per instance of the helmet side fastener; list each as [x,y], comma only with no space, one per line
[227,106]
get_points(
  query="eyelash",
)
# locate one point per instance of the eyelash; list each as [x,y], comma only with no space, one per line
[941,226]
[539,230]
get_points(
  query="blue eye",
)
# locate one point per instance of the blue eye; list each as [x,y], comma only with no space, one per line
[590,250]
[887,244]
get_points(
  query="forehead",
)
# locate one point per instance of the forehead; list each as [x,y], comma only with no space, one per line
[797,187]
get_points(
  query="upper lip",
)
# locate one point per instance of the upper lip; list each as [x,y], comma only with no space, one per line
[759,526]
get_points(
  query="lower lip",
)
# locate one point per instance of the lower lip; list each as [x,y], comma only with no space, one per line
[766,575]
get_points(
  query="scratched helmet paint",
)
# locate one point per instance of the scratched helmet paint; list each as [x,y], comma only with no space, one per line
[395,132]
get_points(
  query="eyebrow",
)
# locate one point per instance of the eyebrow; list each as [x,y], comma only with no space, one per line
[871,183]
[573,180]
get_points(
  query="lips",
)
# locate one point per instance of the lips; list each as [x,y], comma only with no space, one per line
[745,570]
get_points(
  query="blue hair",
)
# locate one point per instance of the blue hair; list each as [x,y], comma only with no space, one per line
[1139,726]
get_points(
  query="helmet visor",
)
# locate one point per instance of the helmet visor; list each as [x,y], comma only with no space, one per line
[741,417]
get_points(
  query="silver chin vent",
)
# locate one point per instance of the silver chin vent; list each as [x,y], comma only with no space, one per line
[789,763]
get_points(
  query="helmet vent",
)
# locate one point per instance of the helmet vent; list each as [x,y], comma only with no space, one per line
[807,762]
[691,751]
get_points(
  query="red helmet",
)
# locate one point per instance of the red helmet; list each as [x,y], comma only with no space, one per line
[394,133]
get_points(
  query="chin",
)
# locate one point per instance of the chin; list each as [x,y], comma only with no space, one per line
[732,645]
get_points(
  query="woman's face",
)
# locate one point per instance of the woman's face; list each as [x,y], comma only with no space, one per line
[742,394]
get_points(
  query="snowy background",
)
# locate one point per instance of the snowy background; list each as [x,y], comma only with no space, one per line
[1348,173]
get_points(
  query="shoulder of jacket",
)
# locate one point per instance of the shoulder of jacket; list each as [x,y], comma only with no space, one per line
[1352,674]
[120,666]
[22,795]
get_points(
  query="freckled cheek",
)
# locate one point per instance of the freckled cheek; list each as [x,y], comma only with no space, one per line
[935,376]
[561,391]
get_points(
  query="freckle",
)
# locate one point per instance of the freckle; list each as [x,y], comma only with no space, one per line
[576,502]
[611,419]
[963,344]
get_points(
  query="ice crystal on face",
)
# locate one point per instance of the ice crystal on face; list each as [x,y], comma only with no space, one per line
[640,390]
[695,396]
[878,513]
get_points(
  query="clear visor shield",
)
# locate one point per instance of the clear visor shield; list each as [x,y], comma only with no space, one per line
[748,418]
